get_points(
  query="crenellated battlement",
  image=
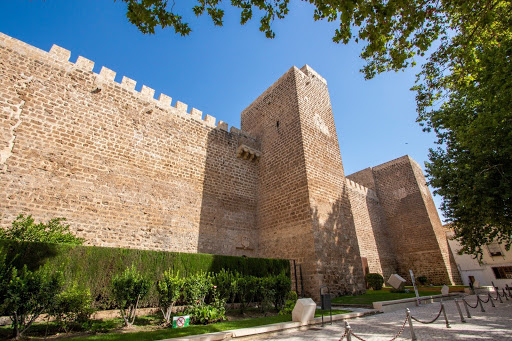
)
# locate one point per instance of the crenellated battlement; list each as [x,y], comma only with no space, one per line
[61,56]
[361,189]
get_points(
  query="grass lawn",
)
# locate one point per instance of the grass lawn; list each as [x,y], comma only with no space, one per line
[191,330]
[380,295]
[111,329]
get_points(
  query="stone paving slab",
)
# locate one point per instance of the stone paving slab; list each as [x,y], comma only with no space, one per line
[494,324]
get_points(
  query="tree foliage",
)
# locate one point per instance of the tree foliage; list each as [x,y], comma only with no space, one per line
[463,89]
[72,307]
[170,290]
[463,95]
[27,295]
[24,228]
[128,289]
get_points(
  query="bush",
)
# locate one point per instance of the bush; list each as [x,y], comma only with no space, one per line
[375,281]
[227,285]
[24,229]
[423,280]
[72,307]
[282,287]
[205,313]
[94,267]
[247,290]
[289,303]
[5,273]
[29,294]
[266,292]
[128,289]
[196,288]
[170,290]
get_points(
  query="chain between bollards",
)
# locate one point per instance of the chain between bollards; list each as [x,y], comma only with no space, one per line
[433,320]
[480,302]
[409,318]
[349,333]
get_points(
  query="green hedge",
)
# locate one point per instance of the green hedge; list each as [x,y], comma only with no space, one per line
[94,267]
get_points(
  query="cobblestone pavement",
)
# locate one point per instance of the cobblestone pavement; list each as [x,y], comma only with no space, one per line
[493,324]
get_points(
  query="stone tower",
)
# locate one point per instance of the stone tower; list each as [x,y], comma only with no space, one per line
[303,210]
[418,240]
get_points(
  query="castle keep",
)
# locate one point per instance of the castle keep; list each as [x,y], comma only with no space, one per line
[129,170]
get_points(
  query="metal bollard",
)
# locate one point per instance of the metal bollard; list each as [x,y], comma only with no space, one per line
[408,313]
[466,307]
[460,311]
[491,300]
[481,305]
[445,317]
[348,331]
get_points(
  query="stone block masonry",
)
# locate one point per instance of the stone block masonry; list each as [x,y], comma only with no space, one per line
[413,228]
[128,170]
[303,207]
[125,169]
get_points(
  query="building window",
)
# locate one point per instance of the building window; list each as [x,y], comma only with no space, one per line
[494,249]
[503,272]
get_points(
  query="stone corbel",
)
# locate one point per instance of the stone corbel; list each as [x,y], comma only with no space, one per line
[248,153]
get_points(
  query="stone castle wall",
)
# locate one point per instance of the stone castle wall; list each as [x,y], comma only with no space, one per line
[408,210]
[372,231]
[128,170]
[124,169]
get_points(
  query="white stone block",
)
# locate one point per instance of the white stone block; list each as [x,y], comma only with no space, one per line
[396,281]
[304,310]
[445,290]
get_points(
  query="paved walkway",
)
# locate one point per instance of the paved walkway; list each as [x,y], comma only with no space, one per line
[494,324]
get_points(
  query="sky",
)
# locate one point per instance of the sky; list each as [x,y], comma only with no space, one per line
[221,70]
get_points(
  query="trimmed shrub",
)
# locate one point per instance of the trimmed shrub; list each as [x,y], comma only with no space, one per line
[266,292]
[5,274]
[170,290]
[423,280]
[29,294]
[128,288]
[94,267]
[247,290]
[72,307]
[289,304]
[227,285]
[282,287]
[375,281]
[196,288]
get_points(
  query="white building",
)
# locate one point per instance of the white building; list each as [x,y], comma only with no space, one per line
[495,267]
